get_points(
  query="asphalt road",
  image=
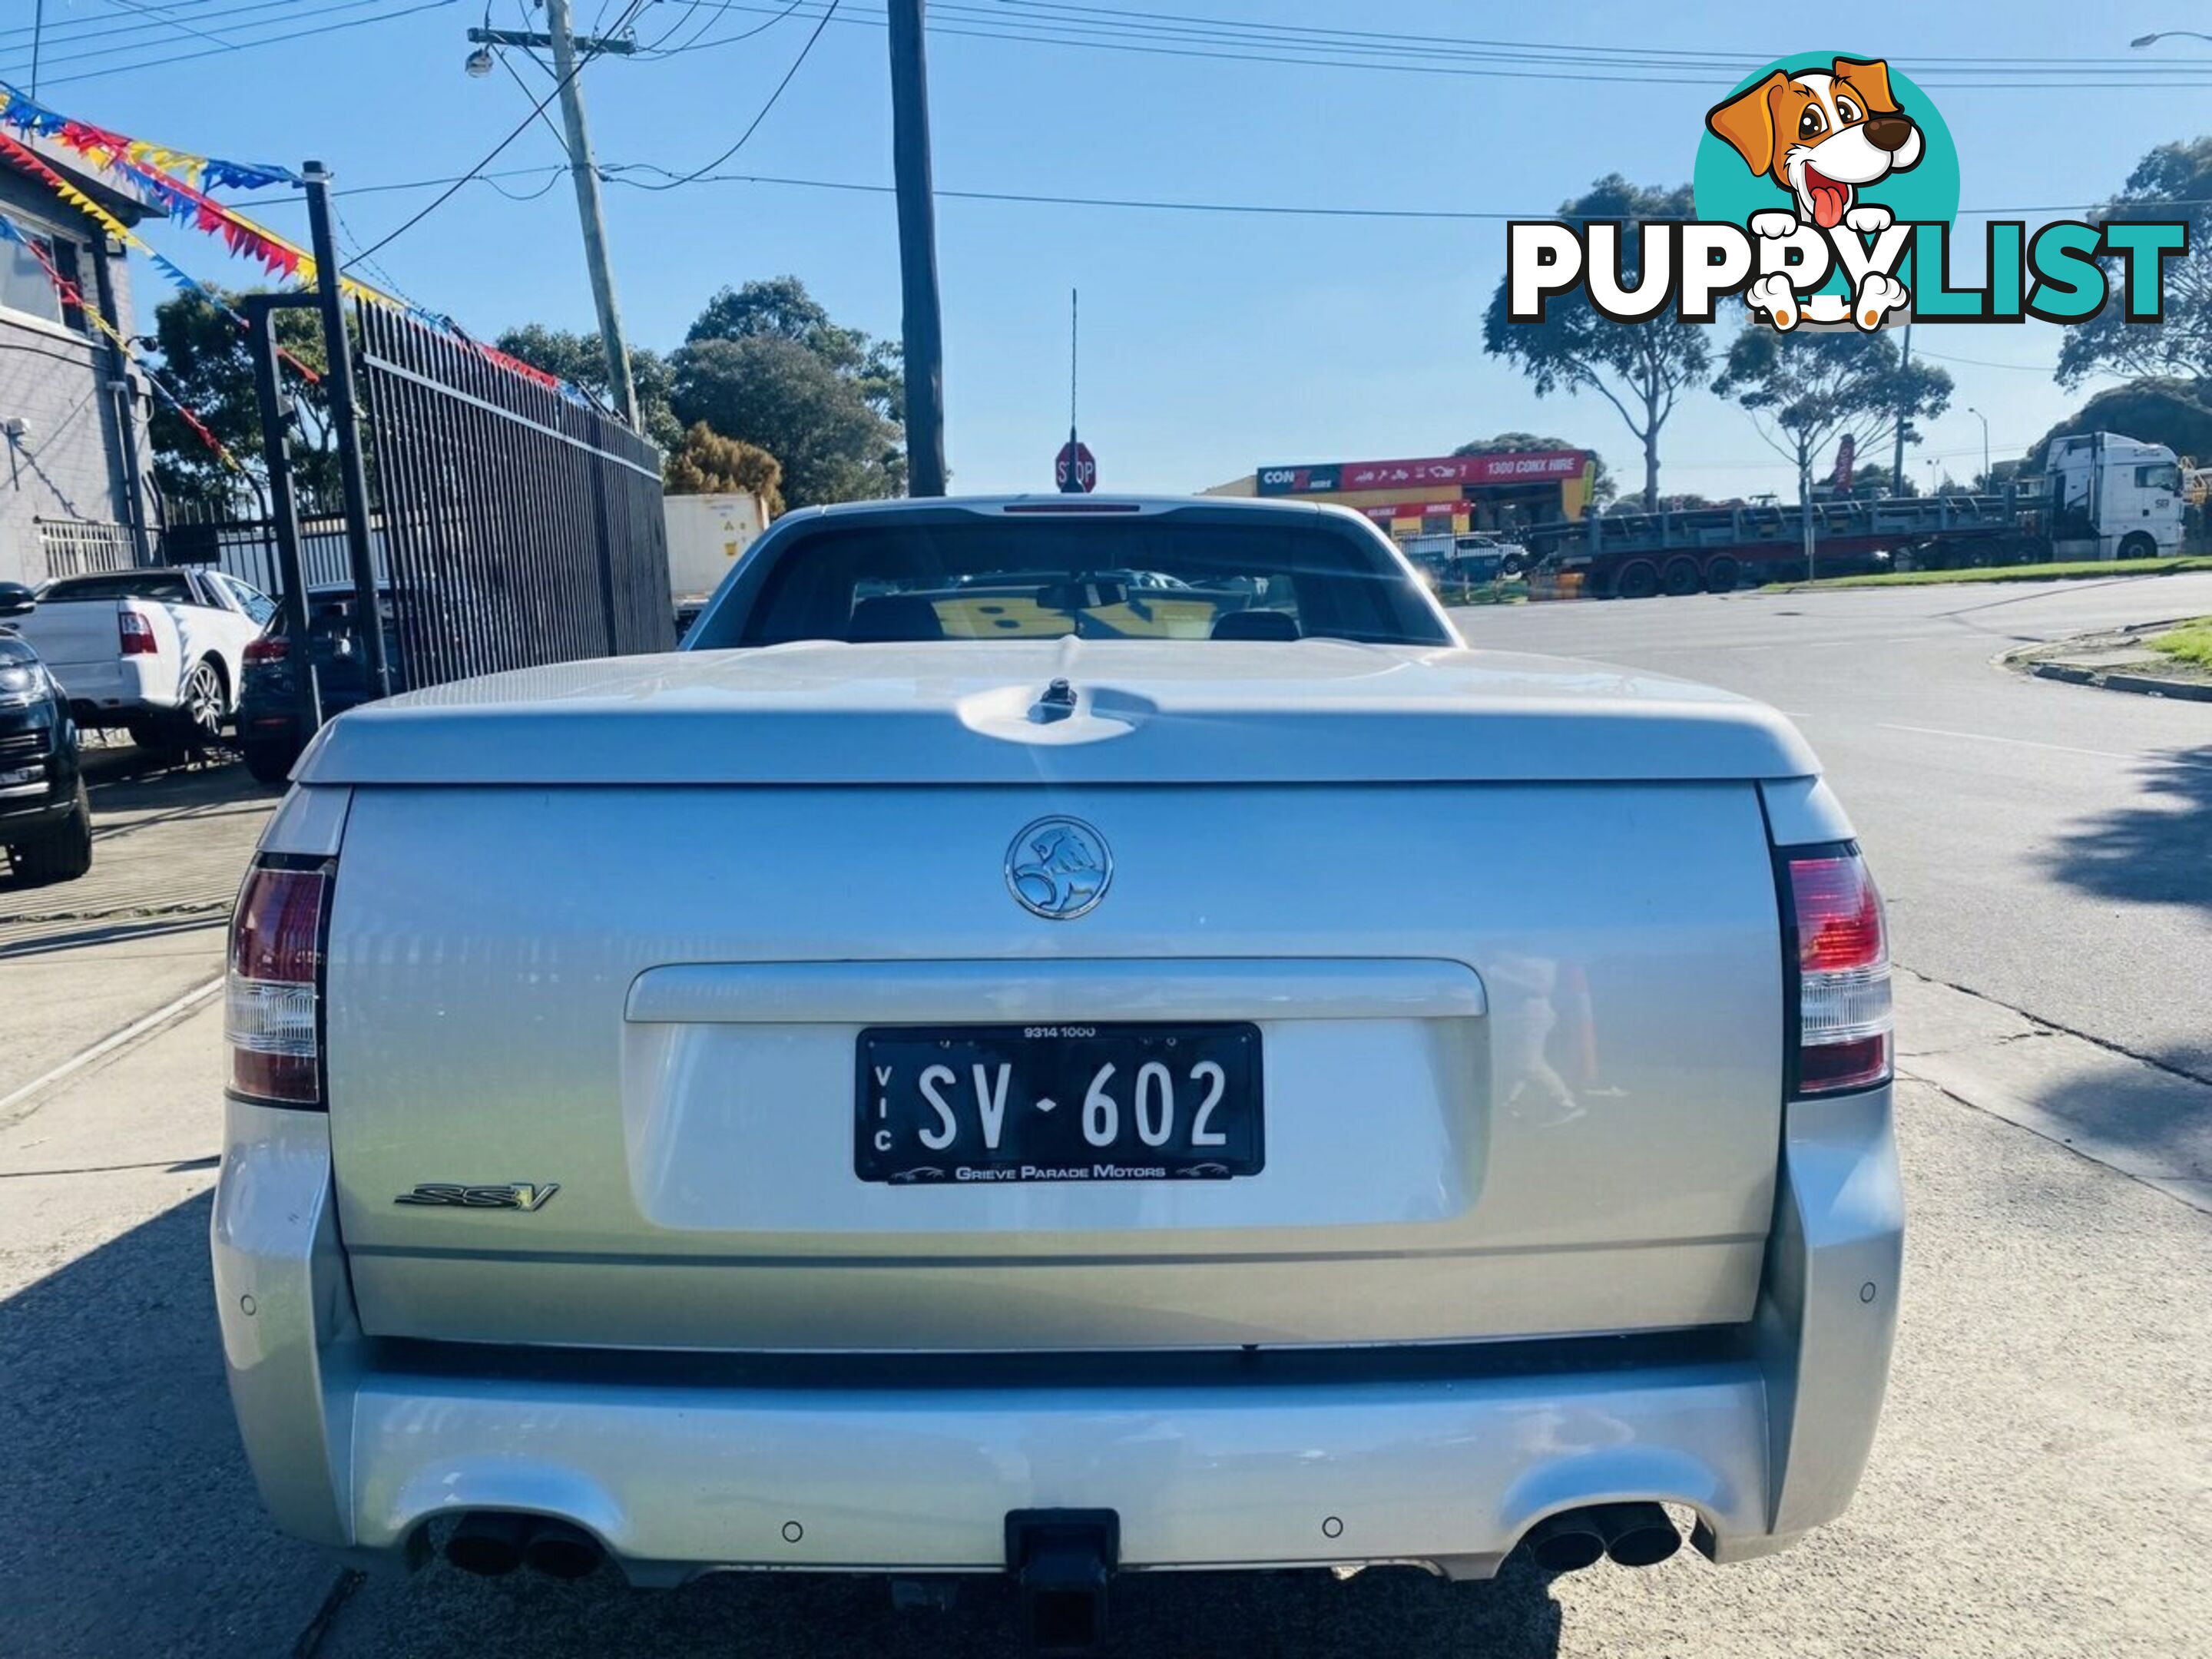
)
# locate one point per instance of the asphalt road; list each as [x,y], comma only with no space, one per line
[2047,846]
[2042,1480]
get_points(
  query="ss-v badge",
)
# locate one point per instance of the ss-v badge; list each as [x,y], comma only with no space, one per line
[507,1195]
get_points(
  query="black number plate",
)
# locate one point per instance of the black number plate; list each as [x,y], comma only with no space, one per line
[969,1103]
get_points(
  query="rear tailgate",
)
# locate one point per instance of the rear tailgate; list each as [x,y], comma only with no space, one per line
[80,641]
[1522,1051]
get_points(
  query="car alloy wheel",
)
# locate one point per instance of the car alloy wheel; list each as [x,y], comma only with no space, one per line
[203,708]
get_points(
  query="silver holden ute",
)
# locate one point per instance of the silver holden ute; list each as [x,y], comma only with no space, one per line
[1059,1036]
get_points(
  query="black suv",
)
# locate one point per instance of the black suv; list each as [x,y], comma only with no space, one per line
[46,821]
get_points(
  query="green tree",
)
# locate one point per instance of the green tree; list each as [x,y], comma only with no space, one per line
[582,359]
[1873,479]
[203,359]
[708,464]
[1641,369]
[1602,487]
[2174,182]
[780,308]
[1804,391]
[771,390]
[2173,411]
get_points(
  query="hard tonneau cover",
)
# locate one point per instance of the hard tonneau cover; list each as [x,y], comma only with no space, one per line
[1315,711]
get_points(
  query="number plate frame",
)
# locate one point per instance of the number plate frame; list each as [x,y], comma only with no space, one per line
[1057,1063]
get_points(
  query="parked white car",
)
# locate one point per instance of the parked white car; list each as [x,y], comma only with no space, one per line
[159,651]
[980,1063]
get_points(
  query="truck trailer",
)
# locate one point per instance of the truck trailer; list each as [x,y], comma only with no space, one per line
[2100,496]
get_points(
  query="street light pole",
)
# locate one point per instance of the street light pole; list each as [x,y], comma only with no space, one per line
[1984,420]
[1805,500]
[1903,414]
[586,175]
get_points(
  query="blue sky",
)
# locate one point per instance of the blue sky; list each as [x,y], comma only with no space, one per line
[1211,342]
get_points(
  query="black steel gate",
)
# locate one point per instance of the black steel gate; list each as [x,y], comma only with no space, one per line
[519,527]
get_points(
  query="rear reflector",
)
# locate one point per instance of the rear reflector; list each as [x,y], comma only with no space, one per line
[272,1012]
[1842,1013]
[135,632]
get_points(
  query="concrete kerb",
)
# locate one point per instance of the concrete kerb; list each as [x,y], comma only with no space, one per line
[2064,661]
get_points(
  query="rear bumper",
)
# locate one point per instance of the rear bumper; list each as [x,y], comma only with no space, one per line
[681,1464]
[107,693]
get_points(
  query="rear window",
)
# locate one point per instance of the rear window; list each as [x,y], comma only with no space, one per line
[165,587]
[1034,578]
[330,615]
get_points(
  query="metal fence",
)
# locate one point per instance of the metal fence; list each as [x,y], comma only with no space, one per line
[520,528]
[247,548]
[83,547]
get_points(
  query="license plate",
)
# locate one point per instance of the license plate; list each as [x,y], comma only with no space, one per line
[974,1103]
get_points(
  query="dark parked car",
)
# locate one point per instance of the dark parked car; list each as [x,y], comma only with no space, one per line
[46,821]
[268,714]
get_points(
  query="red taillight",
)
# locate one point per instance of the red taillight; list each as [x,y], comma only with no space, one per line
[272,1015]
[269,647]
[137,632]
[1842,1013]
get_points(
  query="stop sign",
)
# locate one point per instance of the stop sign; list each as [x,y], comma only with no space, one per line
[1075,468]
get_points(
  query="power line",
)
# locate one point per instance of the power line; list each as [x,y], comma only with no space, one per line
[1638,54]
[1055,18]
[617,172]
[134,7]
[134,33]
[89,24]
[656,49]
[1630,65]
[515,75]
[164,59]
[521,127]
[694,176]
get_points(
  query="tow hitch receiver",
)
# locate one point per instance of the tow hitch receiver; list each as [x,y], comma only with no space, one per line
[1062,1558]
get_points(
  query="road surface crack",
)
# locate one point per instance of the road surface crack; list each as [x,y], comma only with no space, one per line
[2053,1025]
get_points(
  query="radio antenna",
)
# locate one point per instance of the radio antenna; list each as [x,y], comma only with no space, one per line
[1071,364]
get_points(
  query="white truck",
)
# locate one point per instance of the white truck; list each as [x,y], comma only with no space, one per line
[1077,1115]
[2113,497]
[707,534]
[158,652]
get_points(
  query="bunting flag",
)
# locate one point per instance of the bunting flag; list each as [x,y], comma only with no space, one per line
[178,181]
[72,296]
[19,110]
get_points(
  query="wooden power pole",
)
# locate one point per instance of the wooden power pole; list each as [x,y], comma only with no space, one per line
[586,175]
[923,329]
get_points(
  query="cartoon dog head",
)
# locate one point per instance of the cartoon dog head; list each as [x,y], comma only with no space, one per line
[1820,136]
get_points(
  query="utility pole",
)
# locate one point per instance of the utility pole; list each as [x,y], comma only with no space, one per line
[923,327]
[586,175]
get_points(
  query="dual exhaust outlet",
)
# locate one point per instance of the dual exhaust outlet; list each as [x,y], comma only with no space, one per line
[491,1543]
[1632,1534]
